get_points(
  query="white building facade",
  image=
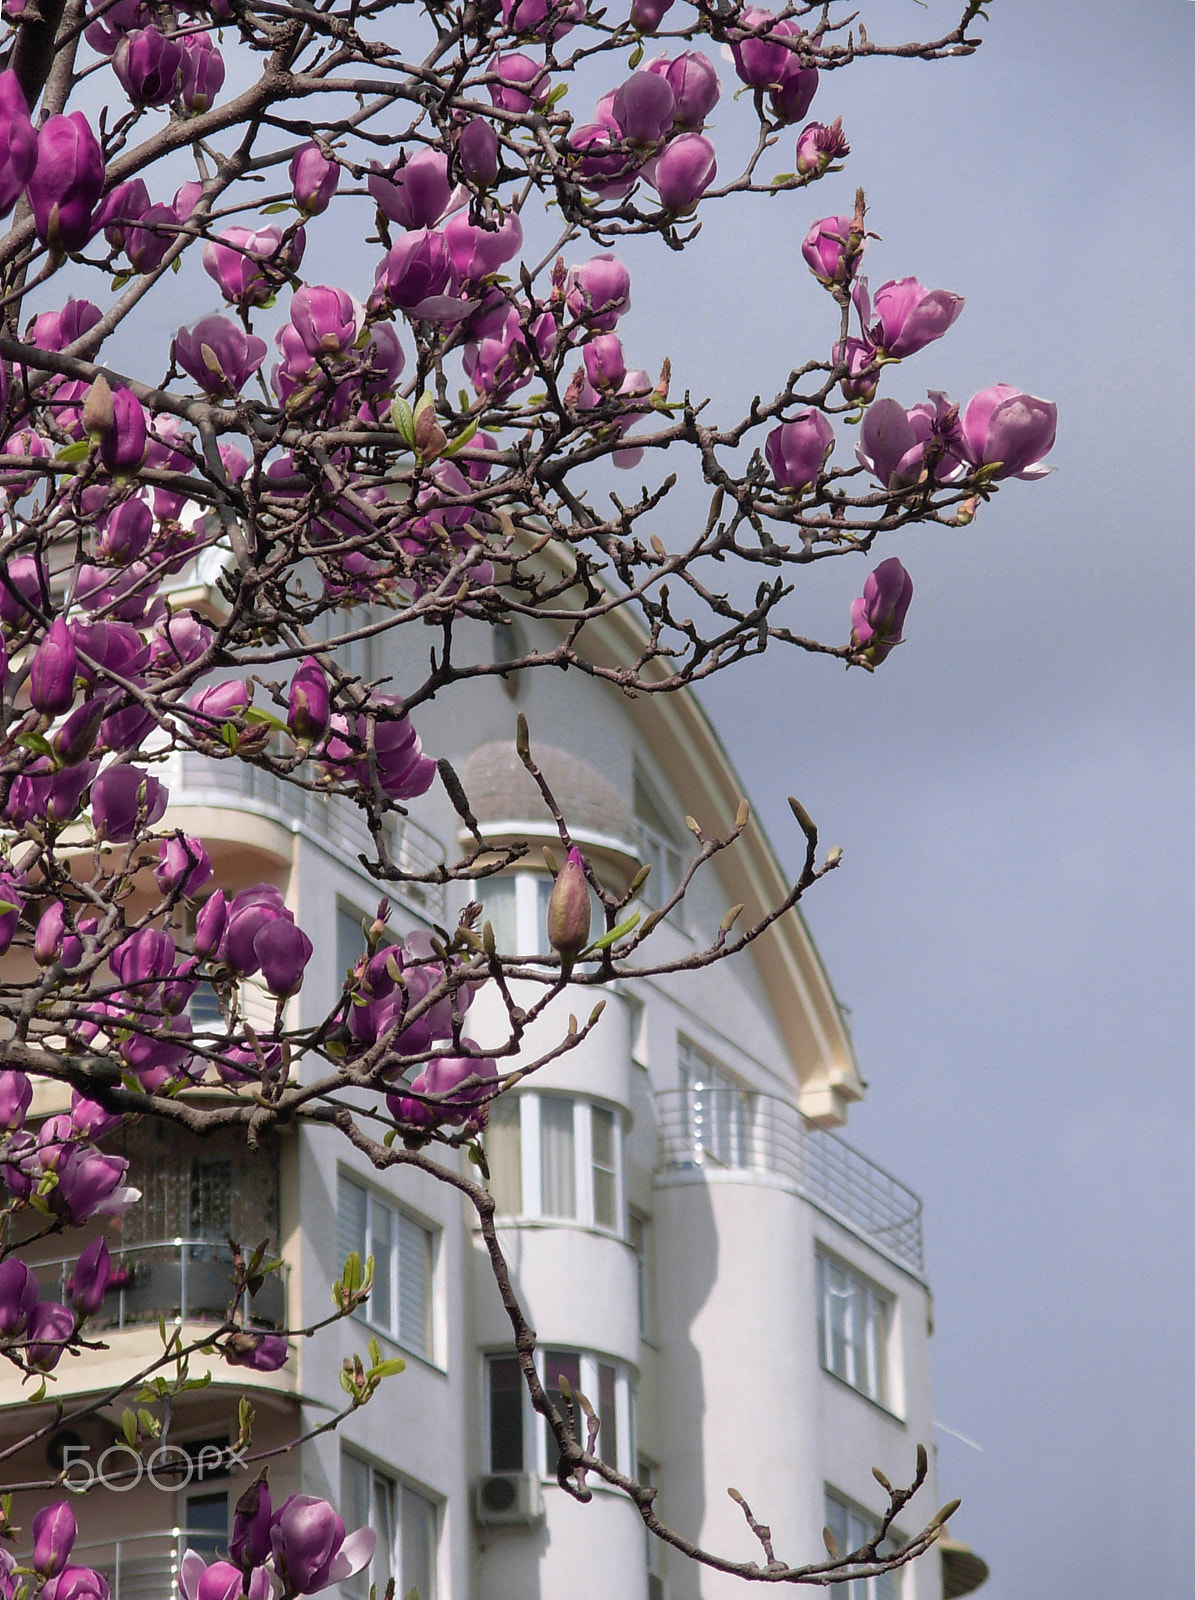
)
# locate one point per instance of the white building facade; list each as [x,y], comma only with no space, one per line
[739,1294]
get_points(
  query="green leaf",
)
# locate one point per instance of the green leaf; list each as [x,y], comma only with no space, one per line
[6,906]
[128,1426]
[265,719]
[461,440]
[73,452]
[557,95]
[120,279]
[275,207]
[404,420]
[388,1369]
[230,733]
[636,56]
[177,264]
[607,939]
[37,743]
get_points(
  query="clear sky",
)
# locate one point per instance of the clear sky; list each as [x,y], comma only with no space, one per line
[1015,788]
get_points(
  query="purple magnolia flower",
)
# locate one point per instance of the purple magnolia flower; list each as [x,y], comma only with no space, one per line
[542,19]
[22,586]
[67,183]
[89,1185]
[143,958]
[184,866]
[683,171]
[818,145]
[832,249]
[122,797]
[219,355]
[476,253]
[283,951]
[793,95]
[326,320]
[899,446]
[177,641]
[308,706]
[110,647]
[49,1328]
[248,267]
[522,83]
[313,179]
[26,444]
[18,142]
[124,533]
[201,73]
[220,1581]
[878,615]
[605,366]
[54,1528]
[147,63]
[260,1352]
[643,108]
[16,1093]
[694,83]
[569,911]
[601,162]
[55,330]
[210,925]
[18,1297]
[599,293]
[908,316]
[403,770]
[1009,430]
[52,672]
[75,1583]
[53,940]
[414,193]
[646,15]
[863,376]
[444,1077]
[250,911]
[797,450]
[87,1287]
[417,269]
[759,59]
[123,443]
[250,1542]
[223,702]
[310,1547]
[478,152]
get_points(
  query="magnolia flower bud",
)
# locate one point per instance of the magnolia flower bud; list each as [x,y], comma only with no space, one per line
[313,179]
[569,911]
[878,615]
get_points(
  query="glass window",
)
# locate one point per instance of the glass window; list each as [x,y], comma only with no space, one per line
[851,1527]
[607,1389]
[504,1155]
[405,1523]
[658,847]
[605,1168]
[853,1322]
[205,1521]
[350,938]
[562,1364]
[497,896]
[506,1414]
[557,1157]
[400,1302]
[638,1229]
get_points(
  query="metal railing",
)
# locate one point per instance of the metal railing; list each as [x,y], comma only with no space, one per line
[202,780]
[145,1566]
[743,1130]
[183,1280]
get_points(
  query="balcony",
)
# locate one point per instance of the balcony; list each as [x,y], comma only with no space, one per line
[180,1280]
[145,1566]
[333,820]
[742,1130]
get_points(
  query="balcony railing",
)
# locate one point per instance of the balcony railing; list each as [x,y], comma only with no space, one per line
[742,1130]
[202,780]
[182,1280]
[145,1566]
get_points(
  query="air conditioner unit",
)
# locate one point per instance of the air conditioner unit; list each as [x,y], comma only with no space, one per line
[508,1499]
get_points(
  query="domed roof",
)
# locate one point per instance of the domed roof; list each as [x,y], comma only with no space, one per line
[501,790]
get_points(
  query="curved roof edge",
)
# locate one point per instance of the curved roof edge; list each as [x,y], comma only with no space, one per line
[683,739]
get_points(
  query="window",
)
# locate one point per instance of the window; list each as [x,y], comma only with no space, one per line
[657,845]
[516,906]
[556,1156]
[350,938]
[203,1008]
[604,1384]
[853,1318]
[205,1521]
[851,1528]
[721,1112]
[400,1302]
[653,1548]
[638,1233]
[405,1523]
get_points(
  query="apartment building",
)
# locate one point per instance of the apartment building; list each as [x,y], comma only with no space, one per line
[739,1293]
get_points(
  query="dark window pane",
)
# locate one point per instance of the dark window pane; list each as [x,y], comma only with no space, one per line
[506,1415]
[561,1364]
[608,1416]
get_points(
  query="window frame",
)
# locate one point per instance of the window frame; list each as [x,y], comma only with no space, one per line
[857,1525]
[396,1488]
[725,1131]
[536,1457]
[398,1214]
[531,1155]
[879,1312]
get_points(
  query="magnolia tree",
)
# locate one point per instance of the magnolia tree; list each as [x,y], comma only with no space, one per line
[431,445]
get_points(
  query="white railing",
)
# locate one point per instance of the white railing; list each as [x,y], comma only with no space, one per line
[203,780]
[145,1566]
[743,1130]
[183,1280]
